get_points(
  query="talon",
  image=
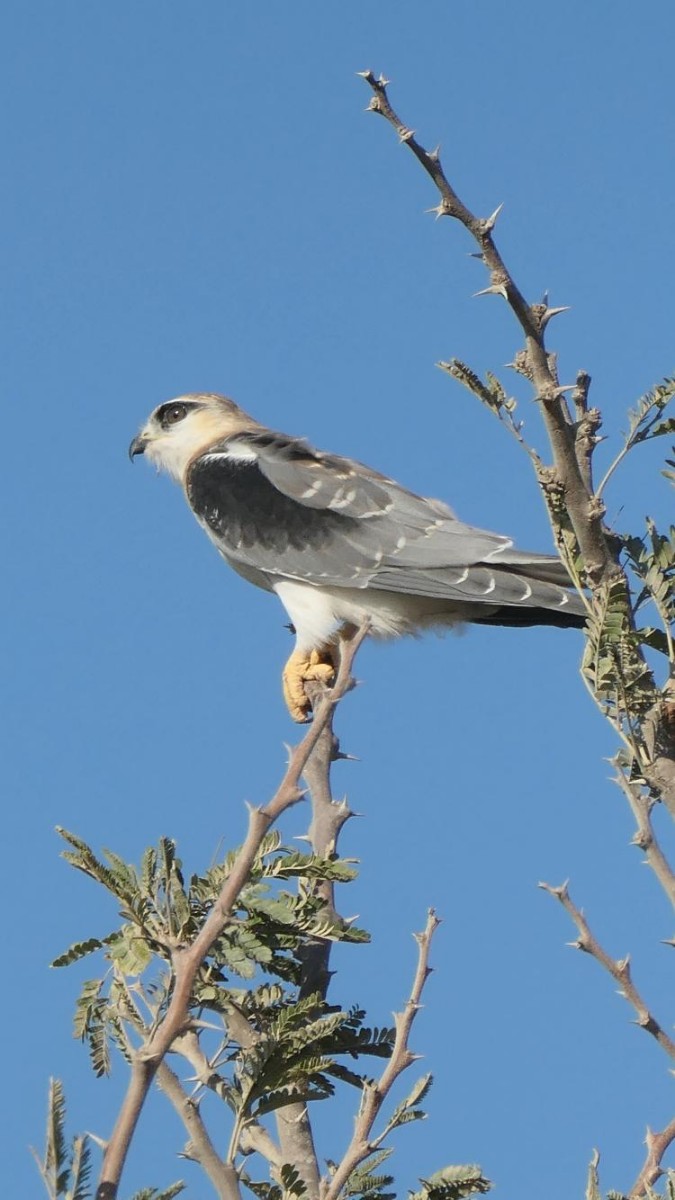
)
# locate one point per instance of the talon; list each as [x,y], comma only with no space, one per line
[301,668]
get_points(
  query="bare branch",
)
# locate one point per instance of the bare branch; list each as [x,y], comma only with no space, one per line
[374,1094]
[585,515]
[200,1147]
[187,960]
[641,806]
[580,394]
[619,969]
[657,1144]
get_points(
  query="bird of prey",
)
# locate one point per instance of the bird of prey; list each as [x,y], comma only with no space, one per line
[339,543]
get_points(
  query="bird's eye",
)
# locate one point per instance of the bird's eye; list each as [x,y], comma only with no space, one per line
[173,413]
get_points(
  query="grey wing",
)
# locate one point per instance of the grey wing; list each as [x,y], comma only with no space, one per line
[274,505]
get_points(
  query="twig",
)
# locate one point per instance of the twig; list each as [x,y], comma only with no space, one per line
[188,960]
[585,440]
[619,969]
[585,515]
[374,1094]
[641,806]
[580,395]
[657,1144]
[223,1177]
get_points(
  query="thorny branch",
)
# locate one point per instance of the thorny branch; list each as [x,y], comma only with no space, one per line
[200,1147]
[585,513]
[362,1143]
[294,1131]
[641,806]
[572,441]
[657,1144]
[619,969]
[187,960]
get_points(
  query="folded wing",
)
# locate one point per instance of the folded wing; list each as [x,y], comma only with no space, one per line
[276,507]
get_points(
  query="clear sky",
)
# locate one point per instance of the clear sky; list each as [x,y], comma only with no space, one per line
[195,199]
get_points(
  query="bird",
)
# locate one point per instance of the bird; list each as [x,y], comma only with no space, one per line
[340,544]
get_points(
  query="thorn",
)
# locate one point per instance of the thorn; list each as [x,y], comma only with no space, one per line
[560,893]
[495,289]
[383,82]
[491,221]
[560,391]
[302,837]
[347,757]
[544,299]
[405,134]
[472,253]
[549,313]
[441,210]
[373,105]
[365,74]
[579,944]
[435,154]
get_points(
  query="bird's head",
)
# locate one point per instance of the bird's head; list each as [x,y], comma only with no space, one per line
[179,430]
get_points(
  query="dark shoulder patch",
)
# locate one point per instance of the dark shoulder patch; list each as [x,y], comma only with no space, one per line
[294,449]
[243,509]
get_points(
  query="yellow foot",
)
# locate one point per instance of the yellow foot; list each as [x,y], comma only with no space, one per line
[315,666]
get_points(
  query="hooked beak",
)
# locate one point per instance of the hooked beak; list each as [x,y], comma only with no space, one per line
[138,446]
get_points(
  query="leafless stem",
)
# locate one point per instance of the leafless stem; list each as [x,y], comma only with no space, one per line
[200,1147]
[645,837]
[586,439]
[585,514]
[187,960]
[657,1144]
[619,969]
[580,394]
[374,1094]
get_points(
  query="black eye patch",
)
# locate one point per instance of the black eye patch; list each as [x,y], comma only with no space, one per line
[173,412]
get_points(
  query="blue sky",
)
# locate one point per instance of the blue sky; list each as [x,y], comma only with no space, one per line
[195,199]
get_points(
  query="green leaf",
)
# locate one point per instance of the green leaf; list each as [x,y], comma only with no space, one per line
[80,950]
[663,427]
[55,1148]
[80,1169]
[65,1172]
[593,1179]
[130,951]
[453,1183]
[291,1181]
[154,1194]
[654,638]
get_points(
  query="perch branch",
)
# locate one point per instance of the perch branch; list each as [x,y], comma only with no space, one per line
[294,1130]
[188,960]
